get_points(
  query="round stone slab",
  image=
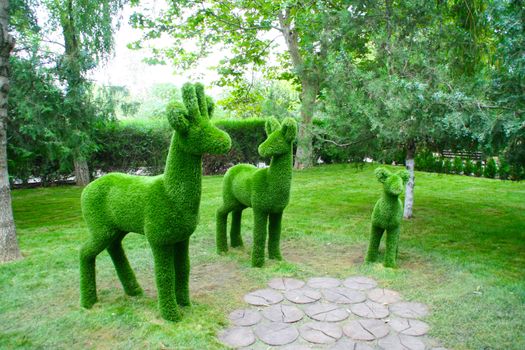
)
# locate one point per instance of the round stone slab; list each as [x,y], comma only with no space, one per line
[245,317]
[283,313]
[342,295]
[237,337]
[366,329]
[302,295]
[321,332]
[326,312]
[323,282]
[285,283]
[384,296]
[401,342]
[370,309]
[409,309]
[276,334]
[347,344]
[263,297]
[359,283]
[409,327]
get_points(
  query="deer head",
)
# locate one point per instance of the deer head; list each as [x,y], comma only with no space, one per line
[280,137]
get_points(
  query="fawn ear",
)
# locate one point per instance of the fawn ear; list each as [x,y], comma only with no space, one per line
[289,129]
[189,97]
[404,175]
[382,174]
[211,105]
[271,125]
[177,116]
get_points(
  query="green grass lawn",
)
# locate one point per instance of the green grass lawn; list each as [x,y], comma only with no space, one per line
[463,254]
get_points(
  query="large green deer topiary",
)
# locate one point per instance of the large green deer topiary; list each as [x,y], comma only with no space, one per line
[267,191]
[387,216]
[164,208]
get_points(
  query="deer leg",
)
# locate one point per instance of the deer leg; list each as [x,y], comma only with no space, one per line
[235,230]
[373,247]
[392,240]
[260,226]
[274,236]
[124,270]
[221,237]
[182,272]
[88,254]
[165,279]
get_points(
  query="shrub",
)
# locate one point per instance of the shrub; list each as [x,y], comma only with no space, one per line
[438,165]
[504,170]
[447,166]
[490,169]
[457,165]
[478,170]
[469,167]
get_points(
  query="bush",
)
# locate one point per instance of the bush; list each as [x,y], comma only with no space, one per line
[504,170]
[469,168]
[438,165]
[447,166]
[478,170]
[457,165]
[490,168]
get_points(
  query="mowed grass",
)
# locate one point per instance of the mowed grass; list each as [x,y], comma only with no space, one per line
[463,254]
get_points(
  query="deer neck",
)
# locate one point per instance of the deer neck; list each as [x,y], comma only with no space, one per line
[183,174]
[280,170]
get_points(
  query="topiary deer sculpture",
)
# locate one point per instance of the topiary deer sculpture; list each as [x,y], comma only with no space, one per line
[387,216]
[267,191]
[164,208]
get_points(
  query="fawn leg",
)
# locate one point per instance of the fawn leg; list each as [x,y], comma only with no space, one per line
[235,230]
[124,270]
[274,236]
[182,272]
[260,226]
[221,238]
[392,240]
[165,279]
[373,247]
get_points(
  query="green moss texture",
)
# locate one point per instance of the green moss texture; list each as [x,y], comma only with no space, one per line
[164,208]
[267,191]
[387,216]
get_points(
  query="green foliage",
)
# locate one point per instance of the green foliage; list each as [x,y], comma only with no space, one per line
[164,208]
[447,166]
[267,191]
[478,171]
[457,165]
[503,170]
[469,167]
[490,169]
[387,216]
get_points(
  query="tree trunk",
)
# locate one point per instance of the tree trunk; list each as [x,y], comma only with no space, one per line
[409,191]
[81,171]
[8,244]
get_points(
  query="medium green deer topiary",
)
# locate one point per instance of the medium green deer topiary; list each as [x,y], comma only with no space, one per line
[267,191]
[164,208]
[387,216]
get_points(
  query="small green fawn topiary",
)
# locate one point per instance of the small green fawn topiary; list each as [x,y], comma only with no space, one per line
[387,216]
[164,208]
[267,191]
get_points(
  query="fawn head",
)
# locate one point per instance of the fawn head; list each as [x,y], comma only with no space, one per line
[280,137]
[393,183]
[191,121]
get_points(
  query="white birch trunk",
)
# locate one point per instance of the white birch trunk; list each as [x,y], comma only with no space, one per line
[409,190]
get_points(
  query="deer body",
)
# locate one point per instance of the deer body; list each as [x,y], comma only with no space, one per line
[164,208]
[267,191]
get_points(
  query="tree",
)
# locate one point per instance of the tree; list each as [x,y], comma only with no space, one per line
[8,243]
[249,30]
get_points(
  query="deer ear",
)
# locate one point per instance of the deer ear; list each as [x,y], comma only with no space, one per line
[289,129]
[177,116]
[404,175]
[271,125]
[189,96]
[382,174]
[211,105]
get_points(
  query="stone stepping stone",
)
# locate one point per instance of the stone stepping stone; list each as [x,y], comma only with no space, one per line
[283,313]
[401,342]
[409,309]
[409,327]
[323,282]
[245,317]
[342,295]
[384,296]
[237,337]
[303,295]
[359,283]
[263,297]
[276,334]
[295,347]
[326,312]
[321,332]
[347,344]
[370,309]
[366,329]
[285,283]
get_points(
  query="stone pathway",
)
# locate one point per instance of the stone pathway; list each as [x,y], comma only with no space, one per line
[327,313]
